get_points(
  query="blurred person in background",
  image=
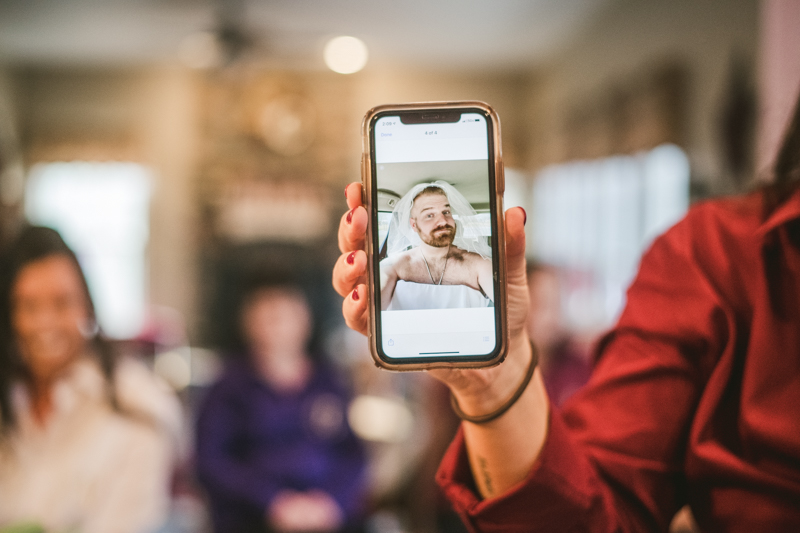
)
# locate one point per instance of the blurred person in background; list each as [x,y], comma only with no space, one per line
[274,450]
[87,441]
[564,368]
[694,397]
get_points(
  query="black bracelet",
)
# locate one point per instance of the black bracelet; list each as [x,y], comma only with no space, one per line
[482,419]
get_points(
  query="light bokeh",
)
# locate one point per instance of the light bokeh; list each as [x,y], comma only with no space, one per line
[345,54]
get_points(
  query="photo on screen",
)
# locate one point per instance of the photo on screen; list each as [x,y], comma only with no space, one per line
[434,235]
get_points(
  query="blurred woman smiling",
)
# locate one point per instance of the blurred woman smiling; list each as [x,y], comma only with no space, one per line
[86,442]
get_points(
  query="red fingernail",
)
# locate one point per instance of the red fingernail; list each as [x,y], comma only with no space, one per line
[355,295]
[525,216]
[350,215]
[345,192]
[351,258]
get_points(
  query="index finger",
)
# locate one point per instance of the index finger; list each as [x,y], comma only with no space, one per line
[353,224]
[353,195]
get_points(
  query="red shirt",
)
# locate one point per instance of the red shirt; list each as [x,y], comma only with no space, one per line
[695,396]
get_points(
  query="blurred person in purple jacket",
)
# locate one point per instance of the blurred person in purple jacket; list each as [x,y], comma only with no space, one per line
[274,450]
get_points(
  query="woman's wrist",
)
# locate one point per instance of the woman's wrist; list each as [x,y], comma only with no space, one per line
[494,386]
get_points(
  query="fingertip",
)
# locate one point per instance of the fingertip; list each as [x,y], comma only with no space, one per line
[354,308]
[517,213]
[348,270]
[358,218]
[356,264]
[360,261]
[352,229]
[355,297]
[359,294]
[515,229]
[515,220]
[353,195]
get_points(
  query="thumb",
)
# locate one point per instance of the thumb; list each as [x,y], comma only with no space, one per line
[515,245]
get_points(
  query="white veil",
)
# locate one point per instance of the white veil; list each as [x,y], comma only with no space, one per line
[469,227]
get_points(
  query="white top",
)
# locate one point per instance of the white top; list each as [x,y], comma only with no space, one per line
[90,469]
[409,295]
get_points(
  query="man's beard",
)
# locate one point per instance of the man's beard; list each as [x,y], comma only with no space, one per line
[438,238]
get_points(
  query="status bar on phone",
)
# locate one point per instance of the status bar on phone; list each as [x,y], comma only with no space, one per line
[396,142]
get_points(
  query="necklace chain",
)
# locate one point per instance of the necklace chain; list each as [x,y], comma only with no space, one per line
[446,257]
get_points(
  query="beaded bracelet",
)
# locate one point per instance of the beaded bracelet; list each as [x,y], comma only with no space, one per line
[482,419]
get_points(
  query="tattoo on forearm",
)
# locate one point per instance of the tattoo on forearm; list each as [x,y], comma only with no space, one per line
[487,479]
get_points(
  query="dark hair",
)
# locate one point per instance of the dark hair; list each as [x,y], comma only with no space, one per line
[32,244]
[278,283]
[786,170]
[431,189]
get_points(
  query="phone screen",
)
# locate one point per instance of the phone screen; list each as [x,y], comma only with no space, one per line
[435,216]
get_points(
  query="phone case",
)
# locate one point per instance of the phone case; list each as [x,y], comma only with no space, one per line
[367,182]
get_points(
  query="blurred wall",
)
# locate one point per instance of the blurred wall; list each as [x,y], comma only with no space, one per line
[11,167]
[779,73]
[195,132]
[656,71]
[171,148]
[141,115]
[633,44]
[507,92]
[239,165]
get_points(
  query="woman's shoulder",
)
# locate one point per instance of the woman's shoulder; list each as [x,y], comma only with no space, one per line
[732,215]
[715,248]
[141,392]
[716,231]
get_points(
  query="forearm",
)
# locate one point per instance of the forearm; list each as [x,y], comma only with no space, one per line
[388,283]
[503,451]
[486,279]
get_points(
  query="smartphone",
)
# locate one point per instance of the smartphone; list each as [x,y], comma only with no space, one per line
[433,188]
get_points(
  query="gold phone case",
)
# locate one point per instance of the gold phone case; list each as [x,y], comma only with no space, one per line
[367,182]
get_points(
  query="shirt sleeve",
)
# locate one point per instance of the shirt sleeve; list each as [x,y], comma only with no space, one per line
[613,458]
[131,495]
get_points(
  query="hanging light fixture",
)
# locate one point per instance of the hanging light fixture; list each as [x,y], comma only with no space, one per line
[345,54]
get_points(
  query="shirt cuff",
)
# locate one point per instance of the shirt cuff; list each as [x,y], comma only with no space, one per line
[555,495]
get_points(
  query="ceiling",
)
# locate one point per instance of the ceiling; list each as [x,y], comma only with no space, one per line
[446,34]
[470,177]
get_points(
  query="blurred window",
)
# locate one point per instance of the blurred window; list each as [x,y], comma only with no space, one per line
[598,217]
[102,211]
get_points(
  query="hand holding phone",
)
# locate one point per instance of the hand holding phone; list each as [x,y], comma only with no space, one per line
[518,434]
[472,387]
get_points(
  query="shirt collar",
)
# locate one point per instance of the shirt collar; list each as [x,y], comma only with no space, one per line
[788,211]
[82,380]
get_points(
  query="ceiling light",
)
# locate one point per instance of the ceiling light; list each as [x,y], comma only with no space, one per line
[345,54]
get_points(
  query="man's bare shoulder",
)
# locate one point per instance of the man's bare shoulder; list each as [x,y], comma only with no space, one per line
[457,254]
[398,260]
